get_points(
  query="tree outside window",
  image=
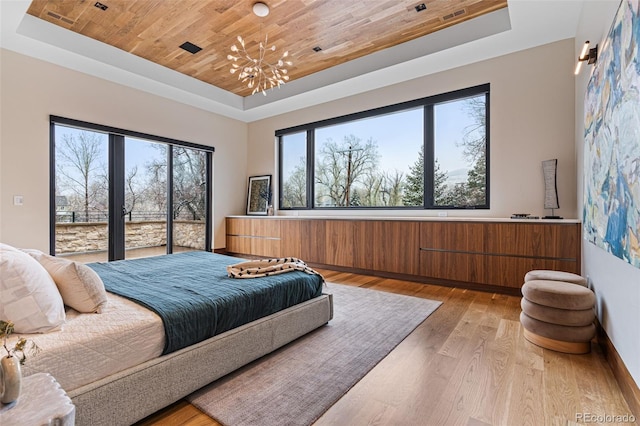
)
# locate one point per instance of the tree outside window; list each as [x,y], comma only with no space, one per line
[379,159]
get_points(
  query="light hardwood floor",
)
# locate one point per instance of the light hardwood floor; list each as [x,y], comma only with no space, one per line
[467,364]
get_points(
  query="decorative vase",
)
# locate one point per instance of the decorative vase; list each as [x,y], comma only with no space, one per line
[10,379]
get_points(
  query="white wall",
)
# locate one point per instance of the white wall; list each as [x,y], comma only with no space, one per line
[532,119]
[615,282]
[33,89]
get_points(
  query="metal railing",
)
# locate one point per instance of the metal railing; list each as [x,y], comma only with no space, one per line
[103,216]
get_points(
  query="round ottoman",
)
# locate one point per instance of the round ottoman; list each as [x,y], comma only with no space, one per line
[558,315]
[548,275]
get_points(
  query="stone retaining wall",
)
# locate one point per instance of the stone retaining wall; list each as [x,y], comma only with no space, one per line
[88,237]
[188,233]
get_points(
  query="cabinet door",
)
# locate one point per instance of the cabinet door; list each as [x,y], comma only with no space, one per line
[313,241]
[265,228]
[465,237]
[239,244]
[238,226]
[265,246]
[395,247]
[453,266]
[265,239]
[339,242]
[363,231]
[452,251]
[516,248]
[540,240]
[509,271]
[291,238]
[238,235]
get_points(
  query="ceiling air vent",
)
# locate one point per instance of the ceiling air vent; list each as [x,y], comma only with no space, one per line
[454,14]
[60,17]
[420,7]
[190,47]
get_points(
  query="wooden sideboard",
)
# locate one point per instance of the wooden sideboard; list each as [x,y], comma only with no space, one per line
[487,254]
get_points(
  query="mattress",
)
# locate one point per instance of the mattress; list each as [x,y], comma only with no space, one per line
[93,346]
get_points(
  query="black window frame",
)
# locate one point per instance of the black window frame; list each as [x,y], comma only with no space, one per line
[116,143]
[427,104]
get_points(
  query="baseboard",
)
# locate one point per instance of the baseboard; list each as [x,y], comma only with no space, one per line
[628,386]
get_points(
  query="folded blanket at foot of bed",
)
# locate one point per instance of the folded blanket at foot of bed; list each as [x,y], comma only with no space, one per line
[266,267]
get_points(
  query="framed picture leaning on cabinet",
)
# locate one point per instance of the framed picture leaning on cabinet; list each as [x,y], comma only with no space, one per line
[259,195]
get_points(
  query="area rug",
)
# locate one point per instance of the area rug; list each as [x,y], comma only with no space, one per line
[296,384]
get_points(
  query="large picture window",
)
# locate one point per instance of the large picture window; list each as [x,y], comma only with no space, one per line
[428,153]
[118,194]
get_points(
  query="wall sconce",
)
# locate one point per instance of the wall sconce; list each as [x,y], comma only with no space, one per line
[589,55]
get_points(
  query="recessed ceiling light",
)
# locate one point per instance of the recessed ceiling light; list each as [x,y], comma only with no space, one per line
[421,7]
[190,47]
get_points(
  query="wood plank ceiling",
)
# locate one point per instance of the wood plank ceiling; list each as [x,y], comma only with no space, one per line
[344,30]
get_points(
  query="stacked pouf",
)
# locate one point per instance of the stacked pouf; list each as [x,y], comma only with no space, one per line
[558,311]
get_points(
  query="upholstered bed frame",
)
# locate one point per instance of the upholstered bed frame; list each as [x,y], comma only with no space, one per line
[133,394]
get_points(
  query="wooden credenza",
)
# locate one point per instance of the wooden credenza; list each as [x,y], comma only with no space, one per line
[487,254]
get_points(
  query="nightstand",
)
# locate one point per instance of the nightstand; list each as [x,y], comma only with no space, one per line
[41,401]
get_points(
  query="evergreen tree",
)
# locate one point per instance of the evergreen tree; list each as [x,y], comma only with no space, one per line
[476,183]
[457,196]
[440,187]
[413,194]
[354,200]
[414,190]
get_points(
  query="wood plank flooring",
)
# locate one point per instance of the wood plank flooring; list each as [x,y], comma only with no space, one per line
[467,364]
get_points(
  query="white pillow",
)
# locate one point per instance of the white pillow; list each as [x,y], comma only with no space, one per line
[28,295]
[80,286]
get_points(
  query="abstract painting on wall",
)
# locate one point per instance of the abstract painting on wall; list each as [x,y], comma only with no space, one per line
[611,213]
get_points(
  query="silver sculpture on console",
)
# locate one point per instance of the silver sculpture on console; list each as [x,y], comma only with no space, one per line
[549,168]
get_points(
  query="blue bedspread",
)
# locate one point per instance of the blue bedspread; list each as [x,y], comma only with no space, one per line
[196,299]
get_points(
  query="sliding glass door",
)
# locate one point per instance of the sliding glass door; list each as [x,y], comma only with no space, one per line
[145,198]
[120,196]
[189,198]
[81,193]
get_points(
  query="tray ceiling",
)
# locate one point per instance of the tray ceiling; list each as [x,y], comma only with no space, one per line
[344,31]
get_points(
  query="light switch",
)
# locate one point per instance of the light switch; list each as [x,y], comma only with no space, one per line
[18,200]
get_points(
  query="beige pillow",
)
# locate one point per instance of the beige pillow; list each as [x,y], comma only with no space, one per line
[80,286]
[28,296]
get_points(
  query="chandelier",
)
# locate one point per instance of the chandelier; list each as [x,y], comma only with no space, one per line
[258,73]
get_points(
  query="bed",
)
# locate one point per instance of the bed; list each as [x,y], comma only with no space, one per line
[133,359]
